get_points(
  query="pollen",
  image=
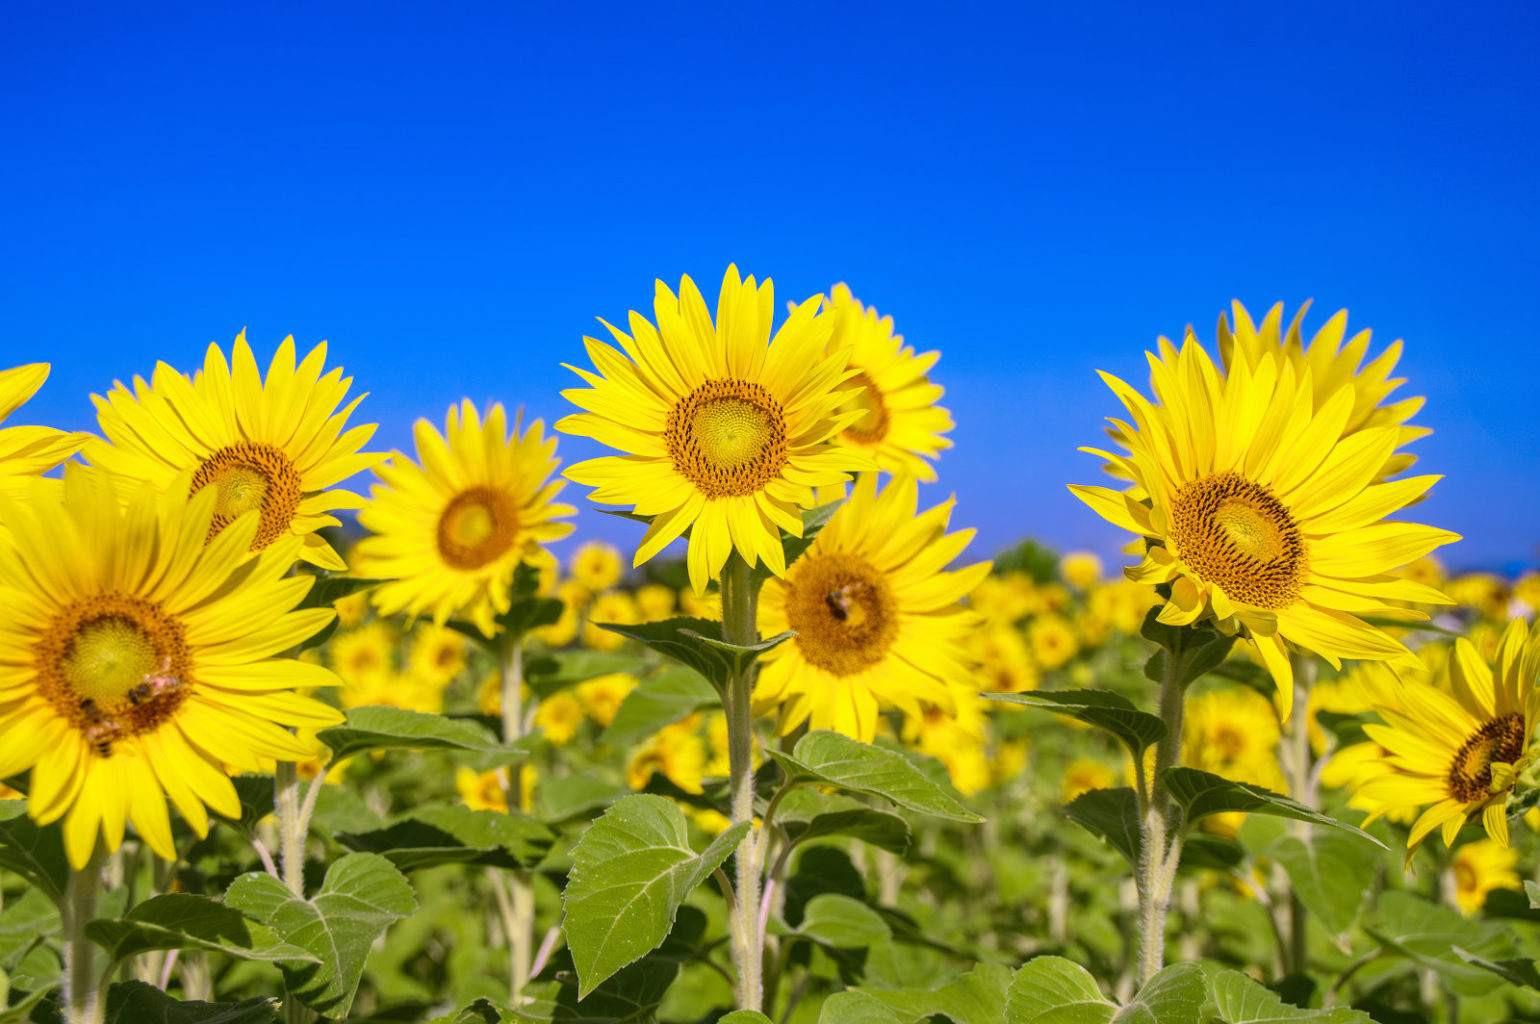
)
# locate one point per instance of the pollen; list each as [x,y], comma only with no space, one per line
[251,476]
[727,437]
[1234,533]
[842,610]
[477,527]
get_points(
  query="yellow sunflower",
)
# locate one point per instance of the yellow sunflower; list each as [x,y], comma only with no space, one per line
[1480,867]
[597,565]
[1331,367]
[727,431]
[28,451]
[879,621]
[275,446]
[1462,747]
[136,660]
[900,424]
[1261,515]
[450,533]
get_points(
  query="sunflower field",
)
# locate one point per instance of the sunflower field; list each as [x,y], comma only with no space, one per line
[276,750]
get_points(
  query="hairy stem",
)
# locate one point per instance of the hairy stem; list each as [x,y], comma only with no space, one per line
[1157,858]
[81,991]
[291,856]
[520,919]
[1297,763]
[738,627]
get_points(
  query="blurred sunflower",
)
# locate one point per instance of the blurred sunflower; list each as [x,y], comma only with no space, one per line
[559,715]
[602,695]
[1459,748]
[879,621]
[597,565]
[900,424]
[28,451]
[616,608]
[1478,868]
[138,660]
[1331,365]
[1083,775]
[274,446]
[725,435]
[1261,515]
[450,533]
[438,653]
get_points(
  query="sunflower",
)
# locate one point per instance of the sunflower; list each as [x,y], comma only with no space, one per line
[597,565]
[275,446]
[1331,366]
[900,424]
[725,435]
[450,533]
[1083,775]
[28,451]
[1261,515]
[1459,748]
[878,619]
[136,660]
[1480,867]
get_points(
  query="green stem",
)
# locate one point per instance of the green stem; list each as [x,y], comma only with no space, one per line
[1157,859]
[738,627]
[81,990]
[291,856]
[1298,764]
[520,918]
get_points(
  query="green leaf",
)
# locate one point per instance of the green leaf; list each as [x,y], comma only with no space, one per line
[1202,651]
[1240,1000]
[1111,815]
[1427,934]
[977,997]
[22,1010]
[1174,996]
[529,613]
[385,728]
[328,588]
[1101,708]
[134,1002]
[482,1011]
[696,643]
[552,672]
[29,920]
[842,922]
[630,872]
[184,921]
[856,1007]
[881,829]
[1532,890]
[1521,972]
[455,834]
[662,700]
[743,1017]
[837,760]
[256,795]
[1330,873]
[36,854]
[1203,793]
[1053,990]
[631,996]
[360,897]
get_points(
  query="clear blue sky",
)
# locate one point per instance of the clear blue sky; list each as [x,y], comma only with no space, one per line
[450,193]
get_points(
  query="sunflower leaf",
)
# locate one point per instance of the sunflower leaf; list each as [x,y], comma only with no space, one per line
[1240,1000]
[1201,652]
[181,920]
[977,997]
[362,895]
[631,996]
[329,588]
[1111,815]
[882,829]
[136,1002]
[662,700]
[1203,793]
[552,672]
[1427,934]
[1102,708]
[1520,971]
[482,1011]
[455,834]
[1330,873]
[690,642]
[828,757]
[1053,985]
[841,922]
[530,613]
[386,728]
[35,853]
[631,871]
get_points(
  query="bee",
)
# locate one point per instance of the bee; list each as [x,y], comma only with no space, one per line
[100,731]
[154,684]
[838,599]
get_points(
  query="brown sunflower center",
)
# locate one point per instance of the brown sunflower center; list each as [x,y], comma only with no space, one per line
[1465,881]
[247,476]
[114,665]
[1470,772]
[728,437]
[842,610]
[477,527]
[1229,742]
[873,424]
[1236,534]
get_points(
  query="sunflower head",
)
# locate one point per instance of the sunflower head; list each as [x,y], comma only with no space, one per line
[727,431]
[1262,513]
[142,659]
[900,425]
[276,446]
[450,532]
[27,451]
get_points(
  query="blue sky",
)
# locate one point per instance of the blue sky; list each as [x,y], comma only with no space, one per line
[451,193]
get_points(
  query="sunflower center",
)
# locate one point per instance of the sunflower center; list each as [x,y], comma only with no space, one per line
[842,610]
[114,665]
[1229,742]
[1236,534]
[478,526]
[873,424]
[1470,772]
[1464,877]
[727,437]
[251,476]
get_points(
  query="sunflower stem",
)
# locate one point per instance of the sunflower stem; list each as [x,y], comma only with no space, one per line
[519,915]
[1157,857]
[1298,765]
[739,627]
[81,988]
[291,856]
